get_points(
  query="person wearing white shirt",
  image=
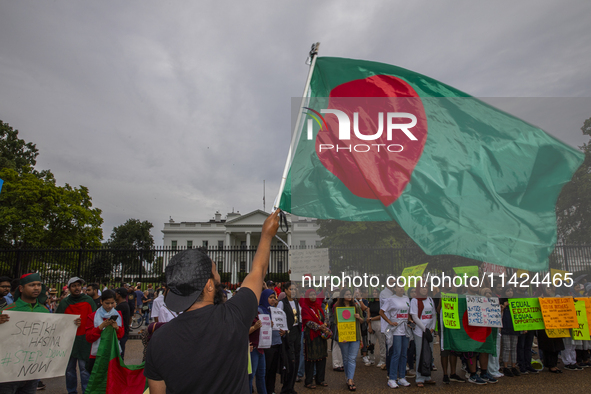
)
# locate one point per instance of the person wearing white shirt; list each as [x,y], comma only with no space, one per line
[384,294]
[160,312]
[394,313]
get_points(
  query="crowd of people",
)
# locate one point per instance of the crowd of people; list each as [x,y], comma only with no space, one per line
[194,317]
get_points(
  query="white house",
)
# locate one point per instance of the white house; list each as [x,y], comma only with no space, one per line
[239,231]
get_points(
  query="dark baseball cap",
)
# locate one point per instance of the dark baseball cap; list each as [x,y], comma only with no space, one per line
[186,277]
[122,291]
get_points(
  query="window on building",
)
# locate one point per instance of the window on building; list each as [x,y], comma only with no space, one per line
[205,244]
[303,244]
[242,244]
[220,244]
[189,244]
[173,244]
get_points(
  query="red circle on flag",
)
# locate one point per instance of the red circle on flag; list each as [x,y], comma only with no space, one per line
[476,333]
[346,314]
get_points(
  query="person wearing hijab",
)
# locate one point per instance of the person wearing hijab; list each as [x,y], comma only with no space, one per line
[272,354]
[316,333]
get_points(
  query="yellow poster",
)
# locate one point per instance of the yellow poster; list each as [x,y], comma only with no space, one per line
[346,324]
[588,310]
[582,332]
[554,273]
[558,333]
[559,312]
[416,270]
[451,316]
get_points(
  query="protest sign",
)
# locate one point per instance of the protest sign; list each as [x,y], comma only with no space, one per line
[558,333]
[559,312]
[416,270]
[470,271]
[588,310]
[494,269]
[554,273]
[483,311]
[35,345]
[582,331]
[265,332]
[526,314]
[279,319]
[308,262]
[346,324]
[451,317]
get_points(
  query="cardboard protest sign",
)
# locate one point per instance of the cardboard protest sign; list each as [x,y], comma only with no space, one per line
[554,273]
[582,331]
[484,311]
[416,270]
[279,319]
[265,332]
[494,269]
[346,324]
[526,314]
[559,312]
[558,333]
[470,271]
[308,262]
[35,345]
[451,317]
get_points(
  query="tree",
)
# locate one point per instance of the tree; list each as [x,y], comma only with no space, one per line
[35,212]
[573,209]
[135,244]
[376,234]
[134,234]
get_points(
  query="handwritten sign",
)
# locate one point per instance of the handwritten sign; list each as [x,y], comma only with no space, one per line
[416,270]
[558,333]
[279,319]
[581,332]
[493,269]
[559,312]
[35,345]
[526,314]
[470,271]
[308,262]
[265,338]
[346,324]
[451,316]
[483,311]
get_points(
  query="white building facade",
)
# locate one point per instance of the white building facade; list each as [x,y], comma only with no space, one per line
[239,231]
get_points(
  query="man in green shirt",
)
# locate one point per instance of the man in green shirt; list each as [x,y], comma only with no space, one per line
[77,303]
[29,297]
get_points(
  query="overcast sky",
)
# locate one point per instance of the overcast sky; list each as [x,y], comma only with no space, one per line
[182,108]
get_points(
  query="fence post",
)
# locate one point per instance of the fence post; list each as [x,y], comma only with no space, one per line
[141,263]
[17,266]
[79,262]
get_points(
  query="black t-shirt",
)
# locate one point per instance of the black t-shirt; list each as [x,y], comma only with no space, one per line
[205,350]
[123,307]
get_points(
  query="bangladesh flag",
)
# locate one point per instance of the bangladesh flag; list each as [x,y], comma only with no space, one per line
[380,143]
[469,338]
[110,374]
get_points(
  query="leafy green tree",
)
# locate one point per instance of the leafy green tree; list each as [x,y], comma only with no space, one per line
[376,234]
[35,212]
[135,244]
[573,210]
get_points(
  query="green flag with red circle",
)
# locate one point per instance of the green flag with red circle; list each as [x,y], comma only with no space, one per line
[380,143]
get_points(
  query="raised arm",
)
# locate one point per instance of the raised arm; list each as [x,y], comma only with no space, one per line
[260,263]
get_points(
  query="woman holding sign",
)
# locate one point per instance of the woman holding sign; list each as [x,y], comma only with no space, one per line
[316,334]
[272,354]
[350,347]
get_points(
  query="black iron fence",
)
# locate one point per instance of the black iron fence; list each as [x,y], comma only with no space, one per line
[114,266]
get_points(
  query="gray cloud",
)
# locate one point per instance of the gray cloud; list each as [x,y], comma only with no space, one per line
[180,109]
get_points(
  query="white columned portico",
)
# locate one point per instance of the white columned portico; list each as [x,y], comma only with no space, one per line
[289,238]
[228,238]
[248,260]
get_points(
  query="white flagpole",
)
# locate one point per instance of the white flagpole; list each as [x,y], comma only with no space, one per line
[297,129]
